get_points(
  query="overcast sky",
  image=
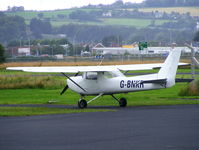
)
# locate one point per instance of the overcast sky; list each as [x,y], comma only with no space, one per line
[54,4]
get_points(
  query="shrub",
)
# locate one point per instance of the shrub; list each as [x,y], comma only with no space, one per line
[192,89]
[2,55]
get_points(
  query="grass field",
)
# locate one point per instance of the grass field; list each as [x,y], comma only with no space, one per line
[139,23]
[131,22]
[194,11]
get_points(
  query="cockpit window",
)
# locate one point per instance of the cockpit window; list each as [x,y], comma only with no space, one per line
[91,75]
[109,74]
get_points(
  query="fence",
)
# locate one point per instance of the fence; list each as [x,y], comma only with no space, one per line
[110,58]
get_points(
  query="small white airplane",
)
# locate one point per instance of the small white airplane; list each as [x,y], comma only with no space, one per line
[109,80]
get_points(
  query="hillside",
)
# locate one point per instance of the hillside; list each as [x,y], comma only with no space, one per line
[159,25]
[61,17]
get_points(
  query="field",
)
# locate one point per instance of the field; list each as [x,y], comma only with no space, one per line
[139,23]
[132,22]
[194,11]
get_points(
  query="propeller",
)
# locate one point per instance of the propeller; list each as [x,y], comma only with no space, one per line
[66,87]
[64,90]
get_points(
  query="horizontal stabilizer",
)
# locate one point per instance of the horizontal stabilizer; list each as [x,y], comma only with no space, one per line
[157,81]
[163,81]
[183,80]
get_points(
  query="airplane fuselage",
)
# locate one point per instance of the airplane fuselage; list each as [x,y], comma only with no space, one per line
[110,85]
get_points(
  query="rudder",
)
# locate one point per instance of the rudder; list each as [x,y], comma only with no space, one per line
[169,68]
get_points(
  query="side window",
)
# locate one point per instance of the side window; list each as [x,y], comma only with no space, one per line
[109,75]
[91,75]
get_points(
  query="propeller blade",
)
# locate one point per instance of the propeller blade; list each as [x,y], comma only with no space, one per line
[64,90]
[74,82]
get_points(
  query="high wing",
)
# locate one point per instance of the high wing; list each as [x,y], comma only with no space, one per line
[75,69]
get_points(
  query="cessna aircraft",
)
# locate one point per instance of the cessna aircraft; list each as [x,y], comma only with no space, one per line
[110,80]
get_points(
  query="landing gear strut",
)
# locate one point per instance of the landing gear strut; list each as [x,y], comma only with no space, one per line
[83,103]
[122,101]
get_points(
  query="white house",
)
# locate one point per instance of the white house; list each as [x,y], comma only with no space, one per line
[25,51]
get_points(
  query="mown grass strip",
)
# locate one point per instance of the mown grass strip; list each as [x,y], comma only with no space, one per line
[32,111]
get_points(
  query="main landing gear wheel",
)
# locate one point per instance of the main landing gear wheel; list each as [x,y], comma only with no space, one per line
[123,102]
[82,103]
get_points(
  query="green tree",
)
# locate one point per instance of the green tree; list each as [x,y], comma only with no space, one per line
[11,28]
[82,16]
[142,45]
[2,51]
[39,27]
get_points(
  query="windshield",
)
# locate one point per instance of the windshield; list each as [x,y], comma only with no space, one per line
[91,75]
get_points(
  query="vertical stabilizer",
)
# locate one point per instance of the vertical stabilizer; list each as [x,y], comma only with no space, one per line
[169,68]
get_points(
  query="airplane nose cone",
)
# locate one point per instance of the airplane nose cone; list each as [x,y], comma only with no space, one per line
[75,85]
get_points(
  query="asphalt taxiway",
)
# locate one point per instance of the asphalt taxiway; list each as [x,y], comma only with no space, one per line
[139,128]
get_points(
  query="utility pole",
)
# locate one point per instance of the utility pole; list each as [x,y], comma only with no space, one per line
[193,61]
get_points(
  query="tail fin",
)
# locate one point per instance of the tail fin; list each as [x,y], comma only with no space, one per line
[169,68]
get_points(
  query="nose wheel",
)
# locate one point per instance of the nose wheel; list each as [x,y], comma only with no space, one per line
[82,103]
[122,102]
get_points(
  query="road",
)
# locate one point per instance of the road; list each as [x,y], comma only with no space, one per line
[139,128]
